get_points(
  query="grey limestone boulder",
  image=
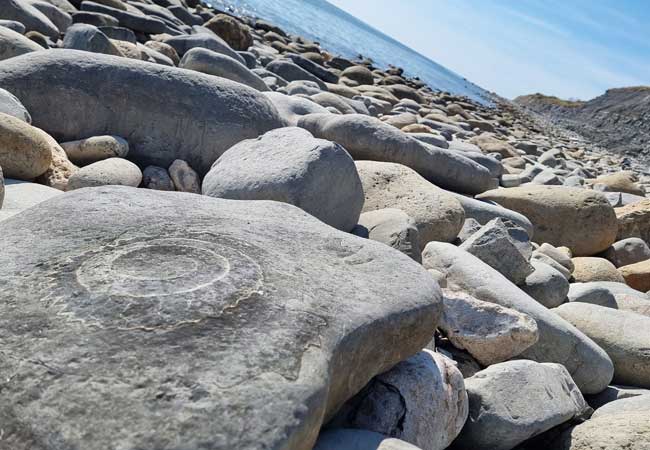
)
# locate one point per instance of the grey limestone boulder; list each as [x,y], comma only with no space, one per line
[495,246]
[111,171]
[289,165]
[11,105]
[559,341]
[421,400]
[95,148]
[628,251]
[213,63]
[34,20]
[290,71]
[623,335]
[546,285]
[614,393]
[167,113]
[15,44]
[392,227]
[20,195]
[168,317]
[629,431]
[437,214]
[292,108]
[514,401]
[154,177]
[89,38]
[638,403]
[368,138]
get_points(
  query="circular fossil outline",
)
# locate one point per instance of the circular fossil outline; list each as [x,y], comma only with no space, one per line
[187,290]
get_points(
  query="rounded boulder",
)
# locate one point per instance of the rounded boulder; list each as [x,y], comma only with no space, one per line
[580,219]
[289,165]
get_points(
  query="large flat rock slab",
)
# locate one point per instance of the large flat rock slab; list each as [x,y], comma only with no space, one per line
[165,113]
[141,319]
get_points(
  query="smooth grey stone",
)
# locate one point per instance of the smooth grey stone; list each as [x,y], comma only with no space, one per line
[483,212]
[183,44]
[514,401]
[560,256]
[61,19]
[639,403]
[13,25]
[292,108]
[392,227]
[613,393]
[349,439]
[155,56]
[33,20]
[127,19]
[119,33]
[157,11]
[220,308]
[154,177]
[493,245]
[319,71]
[249,58]
[627,251]
[315,175]
[327,99]
[546,285]
[292,72]
[264,74]
[20,195]
[623,335]
[302,87]
[213,63]
[167,113]
[95,148]
[493,165]
[184,177]
[97,19]
[185,16]
[559,341]
[11,105]
[111,171]
[14,44]
[370,139]
[593,293]
[629,431]
[89,38]
[421,400]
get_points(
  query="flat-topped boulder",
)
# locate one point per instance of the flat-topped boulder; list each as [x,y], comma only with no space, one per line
[436,213]
[165,112]
[175,317]
[580,219]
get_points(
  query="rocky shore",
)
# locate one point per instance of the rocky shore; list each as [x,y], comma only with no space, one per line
[217,235]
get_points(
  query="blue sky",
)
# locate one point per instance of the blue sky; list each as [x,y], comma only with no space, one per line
[569,48]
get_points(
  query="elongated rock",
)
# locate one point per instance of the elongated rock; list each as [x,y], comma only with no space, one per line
[559,341]
[370,139]
[34,20]
[623,335]
[580,219]
[15,44]
[213,63]
[167,113]
[175,317]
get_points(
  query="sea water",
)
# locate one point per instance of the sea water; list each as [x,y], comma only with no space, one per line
[344,35]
